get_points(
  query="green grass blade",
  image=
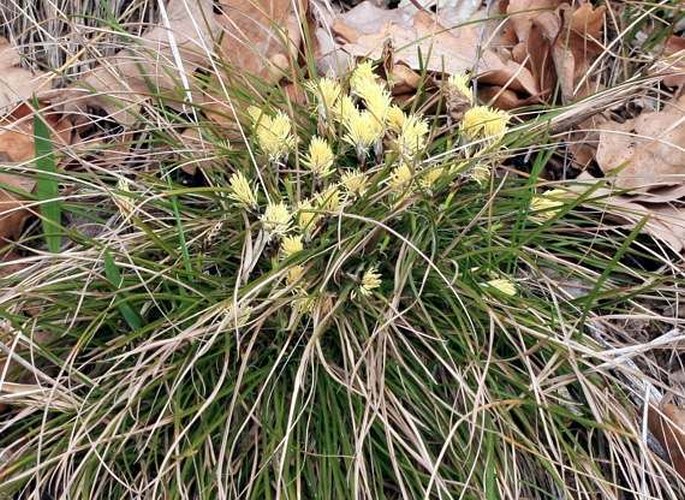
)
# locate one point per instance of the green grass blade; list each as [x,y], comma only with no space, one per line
[114,276]
[47,187]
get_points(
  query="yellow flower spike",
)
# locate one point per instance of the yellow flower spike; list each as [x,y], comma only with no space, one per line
[363,131]
[344,109]
[376,99]
[275,137]
[502,285]
[400,177]
[241,191]
[481,174]
[329,199]
[396,118]
[461,84]
[307,217]
[294,275]
[290,245]
[256,115]
[371,280]
[484,122]
[412,138]
[276,219]
[355,182]
[430,177]
[327,91]
[320,157]
[547,205]
[362,75]
[304,303]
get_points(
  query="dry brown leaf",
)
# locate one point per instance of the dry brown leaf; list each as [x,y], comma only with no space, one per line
[663,220]
[673,62]
[330,59]
[17,146]
[261,37]
[13,211]
[536,25]
[16,83]
[667,423]
[576,47]
[403,79]
[523,15]
[647,151]
[502,98]
[9,264]
[557,43]
[420,42]
[16,132]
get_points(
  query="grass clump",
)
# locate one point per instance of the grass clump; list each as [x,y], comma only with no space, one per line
[350,303]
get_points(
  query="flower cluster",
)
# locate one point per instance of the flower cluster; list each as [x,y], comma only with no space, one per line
[274,134]
[481,128]
[366,149]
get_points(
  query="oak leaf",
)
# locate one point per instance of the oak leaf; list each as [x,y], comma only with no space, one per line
[645,152]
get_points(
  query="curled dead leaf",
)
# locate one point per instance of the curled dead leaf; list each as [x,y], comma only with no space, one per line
[403,79]
[557,43]
[576,47]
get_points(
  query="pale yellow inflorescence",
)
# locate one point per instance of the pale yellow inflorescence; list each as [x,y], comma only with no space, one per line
[236,317]
[319,158]
[255,114]
[344,109]
[241,191]
[291,245]
[123,201]
[276,219]
[294,275]
[307,217]
[371,280]
[503,285]
[329,199]
[363,131]
[274,135]
[355,182]
[461,84]
[396,118]
[376,99]
[547,205]
[328,91]
[481,173]
[400,177]
[484,122]
[413,136]
[430,177]
[361,76]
